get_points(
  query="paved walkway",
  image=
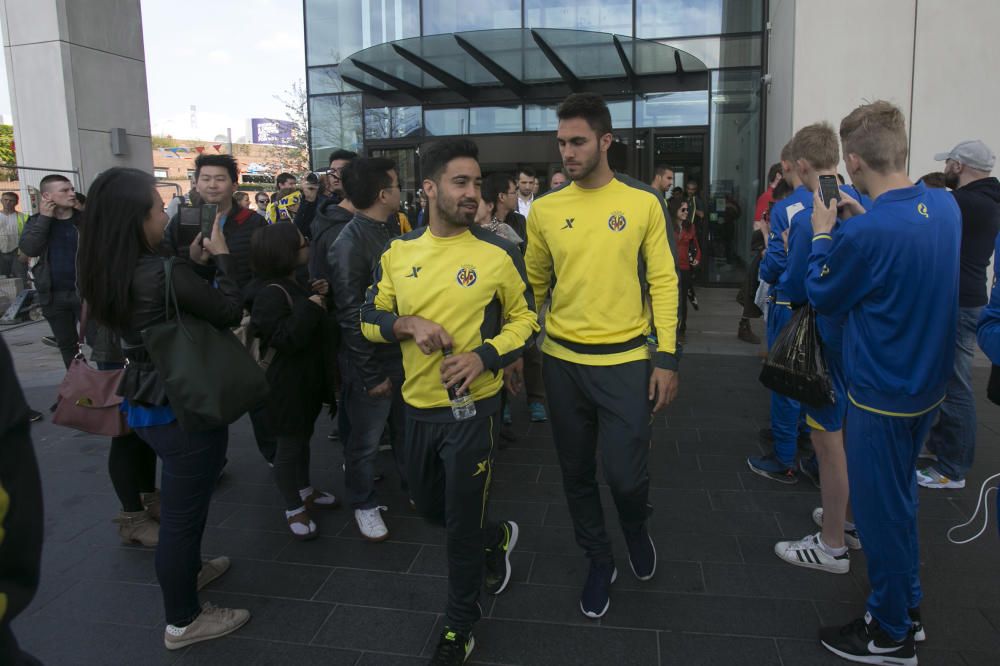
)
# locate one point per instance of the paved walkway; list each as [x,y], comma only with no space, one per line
[720,595]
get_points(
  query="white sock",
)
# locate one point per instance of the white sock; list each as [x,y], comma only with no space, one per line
[298,528]
[306,492]
[834,552]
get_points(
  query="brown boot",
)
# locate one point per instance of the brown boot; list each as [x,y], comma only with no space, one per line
[152,503]
[746,333]
[138,527]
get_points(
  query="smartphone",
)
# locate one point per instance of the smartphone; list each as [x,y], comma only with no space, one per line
[189,225]
[208,213]
[829,188]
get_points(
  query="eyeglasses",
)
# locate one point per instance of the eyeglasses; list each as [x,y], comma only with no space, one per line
[262,201]
[682,210]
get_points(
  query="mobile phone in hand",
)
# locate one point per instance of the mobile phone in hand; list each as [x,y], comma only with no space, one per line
[829,188]
[189,225]
[208,213]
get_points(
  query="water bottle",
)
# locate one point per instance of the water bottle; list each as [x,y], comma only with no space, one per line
[462,406]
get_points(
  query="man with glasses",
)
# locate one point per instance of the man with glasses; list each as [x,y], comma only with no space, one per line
[262,200]
[372,374]
[338,160]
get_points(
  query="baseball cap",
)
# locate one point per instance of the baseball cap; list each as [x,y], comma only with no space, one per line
[975,154]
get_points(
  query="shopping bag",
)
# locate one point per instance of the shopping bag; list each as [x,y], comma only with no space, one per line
[794,366]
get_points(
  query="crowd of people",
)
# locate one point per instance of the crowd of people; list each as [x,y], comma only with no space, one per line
[416,339]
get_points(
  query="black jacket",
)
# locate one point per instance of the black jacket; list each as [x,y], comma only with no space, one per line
[221,306]
[296,376]
[979,202]
[306,213]
[239,227]
[353,259]
[517,222]
[34,242]
[330,220]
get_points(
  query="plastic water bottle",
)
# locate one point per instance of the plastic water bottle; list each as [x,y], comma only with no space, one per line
[462,406]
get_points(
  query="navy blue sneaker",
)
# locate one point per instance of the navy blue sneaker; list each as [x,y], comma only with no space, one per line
[810,469]
[771,468]
[641,553]
[595,599]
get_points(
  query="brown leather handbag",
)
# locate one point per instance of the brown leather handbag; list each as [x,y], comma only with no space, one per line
[88,398]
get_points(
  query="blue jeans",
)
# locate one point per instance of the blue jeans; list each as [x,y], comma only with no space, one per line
[368,417]
[192,462]
[785,412]
[953,437]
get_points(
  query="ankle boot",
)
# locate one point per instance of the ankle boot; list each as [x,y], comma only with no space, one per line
[151,502]
[746,333]
[138,527]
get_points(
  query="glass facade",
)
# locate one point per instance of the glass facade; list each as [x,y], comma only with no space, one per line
[707,126]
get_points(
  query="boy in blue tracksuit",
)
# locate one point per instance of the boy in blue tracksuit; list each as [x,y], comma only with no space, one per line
[816,152]
[988,330]
[893,272]
[780,465]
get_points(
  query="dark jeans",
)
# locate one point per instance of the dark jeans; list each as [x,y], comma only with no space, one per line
[450,467]
[606,406]
[63,315]
[22,520]
[953,437]
[291,468]
[534,385]
[192,462]
[12,266]
[368,418]
[131,464]
[686,282]
[267,443]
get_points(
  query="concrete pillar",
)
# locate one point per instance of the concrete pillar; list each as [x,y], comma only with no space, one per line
[76,71]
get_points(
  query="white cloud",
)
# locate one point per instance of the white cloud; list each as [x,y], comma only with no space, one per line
[220,57]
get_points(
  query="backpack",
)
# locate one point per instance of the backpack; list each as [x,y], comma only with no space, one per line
[261,353]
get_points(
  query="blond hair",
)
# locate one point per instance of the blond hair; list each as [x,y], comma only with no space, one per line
[817,144]
[786,153]
[876,133]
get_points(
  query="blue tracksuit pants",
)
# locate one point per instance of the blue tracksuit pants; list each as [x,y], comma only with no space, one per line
[881,462]
[784,410]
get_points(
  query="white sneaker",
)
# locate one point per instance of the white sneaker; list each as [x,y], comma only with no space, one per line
[808,553]
[931,478]
[370,523]
[212,622]
[851,537]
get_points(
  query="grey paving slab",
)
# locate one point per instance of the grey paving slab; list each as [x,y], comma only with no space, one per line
[720,594]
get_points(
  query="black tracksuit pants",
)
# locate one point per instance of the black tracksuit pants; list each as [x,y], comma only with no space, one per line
[449,469]
[607,406]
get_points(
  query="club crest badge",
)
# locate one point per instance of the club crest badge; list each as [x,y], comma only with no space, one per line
[617,221]
[466,276]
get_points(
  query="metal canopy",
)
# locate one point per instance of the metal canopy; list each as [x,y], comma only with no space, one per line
[518,65]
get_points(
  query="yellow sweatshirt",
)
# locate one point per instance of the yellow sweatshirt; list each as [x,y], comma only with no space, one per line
[473,285]
[599,250]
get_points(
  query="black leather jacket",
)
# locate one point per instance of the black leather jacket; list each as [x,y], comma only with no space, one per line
[221,306]
[353,258]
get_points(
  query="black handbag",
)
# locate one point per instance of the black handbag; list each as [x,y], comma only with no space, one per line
[208,376]
[795,366]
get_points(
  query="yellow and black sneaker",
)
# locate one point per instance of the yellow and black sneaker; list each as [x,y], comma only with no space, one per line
[498,567]
[453,648]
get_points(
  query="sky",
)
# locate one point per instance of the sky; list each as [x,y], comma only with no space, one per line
[227,58]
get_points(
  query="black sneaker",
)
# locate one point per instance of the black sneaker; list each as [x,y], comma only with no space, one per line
[641,553]
[50,341]
[453,648]
[595,599]
[810,469]
[771,468]
[498,567]
[917,626]
[863,641]
[34,415]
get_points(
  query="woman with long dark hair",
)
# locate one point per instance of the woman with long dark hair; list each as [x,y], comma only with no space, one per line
[123,280]
[688,254]
[289,317]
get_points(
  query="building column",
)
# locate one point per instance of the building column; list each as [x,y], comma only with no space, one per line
[77,80]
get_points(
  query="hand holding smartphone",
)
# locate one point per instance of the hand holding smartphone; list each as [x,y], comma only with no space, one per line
[829,189]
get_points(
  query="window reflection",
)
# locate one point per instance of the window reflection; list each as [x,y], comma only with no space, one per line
[446,122]
[442,16]
[337,28]
[335,122]
[675,109]
[675,18]
[494,119]
[601,15]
